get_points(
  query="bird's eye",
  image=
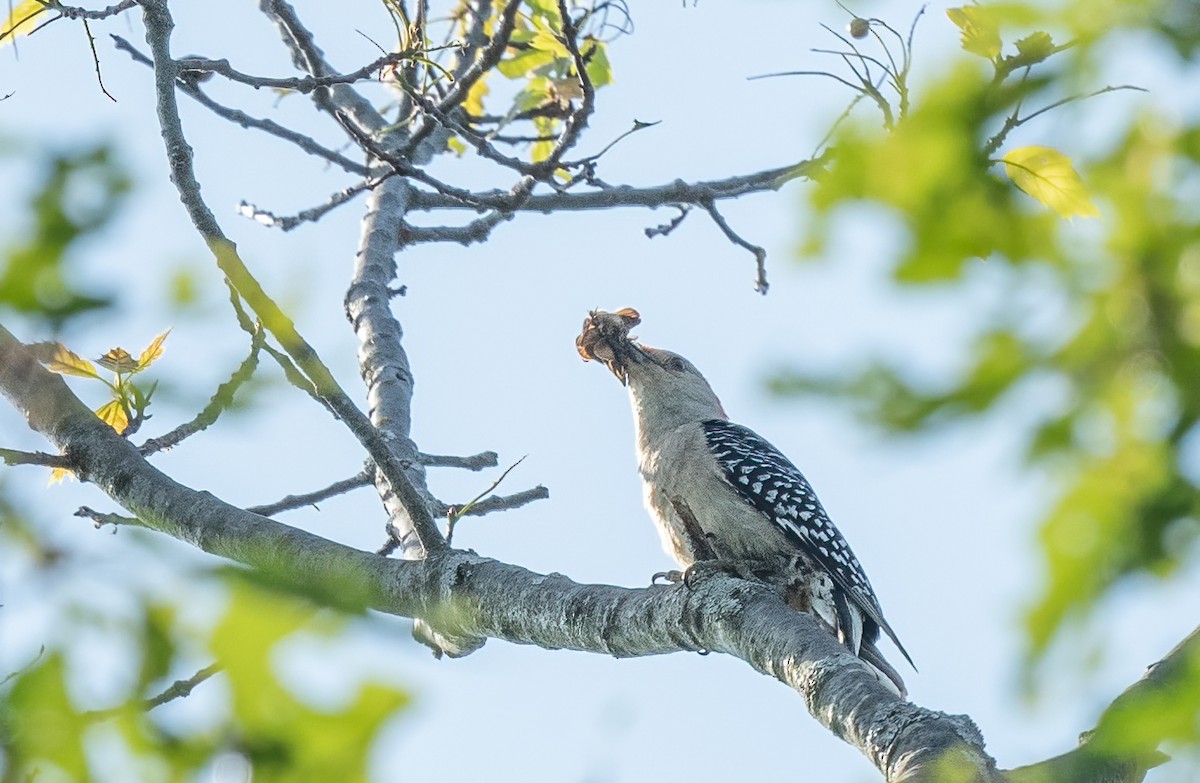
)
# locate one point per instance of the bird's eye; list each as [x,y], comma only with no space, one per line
[676,364]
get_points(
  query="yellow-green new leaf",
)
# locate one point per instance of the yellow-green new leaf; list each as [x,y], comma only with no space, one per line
[67,362]
[980,30]
[152,352]
[113,414]
[118,360]
[20,20]
[1047,175]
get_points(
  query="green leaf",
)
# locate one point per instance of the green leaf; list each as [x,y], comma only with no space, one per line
[284,738]
[1033,49]
[45,727]
[35,274]
[548,41]
[599,69]
[980,30]
[1047,175]
[525,62]
[157,645]
[544,8]
[141,399]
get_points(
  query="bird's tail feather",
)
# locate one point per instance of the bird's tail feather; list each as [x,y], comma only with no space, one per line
[870,655]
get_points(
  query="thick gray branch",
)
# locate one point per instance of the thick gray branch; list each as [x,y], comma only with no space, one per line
[382,360]
[383,364]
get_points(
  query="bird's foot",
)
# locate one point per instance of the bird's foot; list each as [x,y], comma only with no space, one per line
[703,569]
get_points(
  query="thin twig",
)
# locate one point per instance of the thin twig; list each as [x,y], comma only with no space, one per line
[182,688]
[14,457]
[96,59]
[13,675]
[300,84]
[290,502]
[193,91]
[217,405]
[177,690]
[493,503]
[1013,121]
[760,254]
[666,228]
[475,231]
[12,29]
[74,12]
[454,513]
[312,214]
[100,520]
[638,125]
[475,462]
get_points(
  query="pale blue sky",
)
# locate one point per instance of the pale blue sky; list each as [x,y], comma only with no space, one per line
[944,525]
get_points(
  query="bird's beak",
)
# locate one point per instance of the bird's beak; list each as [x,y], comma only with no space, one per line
[605,338]
[625,354]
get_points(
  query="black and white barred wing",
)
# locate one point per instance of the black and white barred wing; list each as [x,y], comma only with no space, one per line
[769,482]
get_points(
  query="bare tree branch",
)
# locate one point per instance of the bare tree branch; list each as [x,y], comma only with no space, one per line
[413,498]
[487,59]
[493,503]
[14,457]
[290,502]
[179,689]
[760,253]
[75,12]
[192,89]
[475,462]
[217,405]
[475,231]
[301,84]
[677,192]
[271,220]
[356,115]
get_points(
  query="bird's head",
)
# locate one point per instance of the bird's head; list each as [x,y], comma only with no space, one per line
[658,380]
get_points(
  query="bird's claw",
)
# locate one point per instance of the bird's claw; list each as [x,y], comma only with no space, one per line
[702,569]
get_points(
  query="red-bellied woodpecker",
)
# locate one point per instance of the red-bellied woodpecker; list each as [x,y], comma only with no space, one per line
[717,490]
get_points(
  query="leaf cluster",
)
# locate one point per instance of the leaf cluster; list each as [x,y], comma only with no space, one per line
[1124,352]
[79,195]
[45,730]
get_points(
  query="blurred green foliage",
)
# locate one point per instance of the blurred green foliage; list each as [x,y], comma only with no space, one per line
[78,196]
[1125,351]
[45,732]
